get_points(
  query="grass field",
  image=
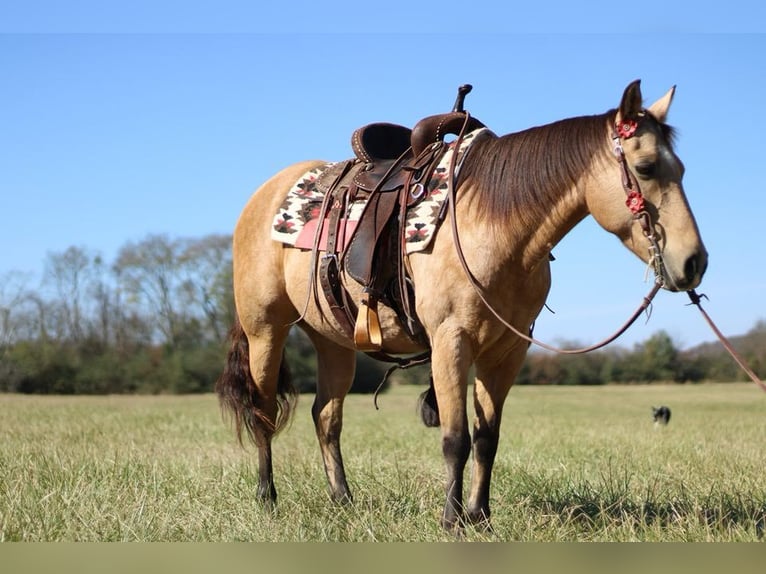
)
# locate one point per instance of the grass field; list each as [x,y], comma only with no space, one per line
[573,464]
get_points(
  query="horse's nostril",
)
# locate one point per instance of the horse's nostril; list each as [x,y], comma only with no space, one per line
[690,269]
[695,267]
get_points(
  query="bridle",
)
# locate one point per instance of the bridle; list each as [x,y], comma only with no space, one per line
[625,129]
[622,130]
[635,202]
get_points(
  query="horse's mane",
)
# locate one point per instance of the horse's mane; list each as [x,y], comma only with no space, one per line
[521,175]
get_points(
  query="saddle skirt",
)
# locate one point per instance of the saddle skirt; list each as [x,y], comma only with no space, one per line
[297,219]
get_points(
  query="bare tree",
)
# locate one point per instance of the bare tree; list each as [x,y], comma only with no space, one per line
[71,274]
[149,274]
[185,284]
[13,292]
[106,312]
[207,281]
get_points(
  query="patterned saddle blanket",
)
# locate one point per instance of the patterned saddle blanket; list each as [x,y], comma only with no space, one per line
[297,219]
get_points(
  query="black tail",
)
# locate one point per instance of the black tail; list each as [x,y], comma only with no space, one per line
[241,399]
[429,408]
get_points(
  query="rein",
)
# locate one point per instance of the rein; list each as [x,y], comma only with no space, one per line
[636,204]
[634,201]
[696,301]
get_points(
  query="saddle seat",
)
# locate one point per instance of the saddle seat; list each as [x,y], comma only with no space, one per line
[380,142]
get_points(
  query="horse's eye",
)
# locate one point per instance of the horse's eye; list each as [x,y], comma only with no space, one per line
[646,170]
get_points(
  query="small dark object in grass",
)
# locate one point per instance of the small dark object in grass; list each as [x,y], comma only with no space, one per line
[661,415]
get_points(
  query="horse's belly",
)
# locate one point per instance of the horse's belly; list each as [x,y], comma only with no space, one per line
[297,264]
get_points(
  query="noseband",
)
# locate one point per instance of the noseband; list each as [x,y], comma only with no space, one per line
[625,129]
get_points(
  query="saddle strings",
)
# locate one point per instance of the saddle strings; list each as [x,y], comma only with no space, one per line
[313,264]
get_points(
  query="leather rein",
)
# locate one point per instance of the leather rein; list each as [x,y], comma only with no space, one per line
[635,203]
[624,129]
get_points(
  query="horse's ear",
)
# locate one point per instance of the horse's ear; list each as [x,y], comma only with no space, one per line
[659,109]
[632,101]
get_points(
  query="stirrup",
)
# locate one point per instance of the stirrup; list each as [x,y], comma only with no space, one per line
[367,333]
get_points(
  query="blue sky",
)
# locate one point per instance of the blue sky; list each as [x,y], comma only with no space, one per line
[119,123]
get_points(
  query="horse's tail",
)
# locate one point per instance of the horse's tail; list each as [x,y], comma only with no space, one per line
[429,408]
[242,400]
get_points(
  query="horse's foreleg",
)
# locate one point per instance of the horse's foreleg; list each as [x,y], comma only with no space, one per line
[335,373]
[450,364]
[490,390]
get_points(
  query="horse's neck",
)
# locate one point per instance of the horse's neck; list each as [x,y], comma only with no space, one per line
[528,239]
[530,187]
[540,239]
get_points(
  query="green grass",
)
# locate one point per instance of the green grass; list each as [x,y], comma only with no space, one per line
[574,464]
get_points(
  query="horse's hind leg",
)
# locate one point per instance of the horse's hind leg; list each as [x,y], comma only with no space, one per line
[493,381]
[272,383]
[255,387]
[335,373]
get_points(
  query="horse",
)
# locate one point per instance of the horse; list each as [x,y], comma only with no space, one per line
[516,197]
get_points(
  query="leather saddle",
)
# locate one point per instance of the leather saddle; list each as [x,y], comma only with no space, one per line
[391,165]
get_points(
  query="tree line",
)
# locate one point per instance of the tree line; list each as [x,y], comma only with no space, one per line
[658,359]
[155,320]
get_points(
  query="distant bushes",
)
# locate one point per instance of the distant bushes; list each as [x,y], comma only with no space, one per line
[657,359]
[52,368]
[155,321]
[28,367]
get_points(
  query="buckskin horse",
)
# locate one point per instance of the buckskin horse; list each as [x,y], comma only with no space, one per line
[516,196]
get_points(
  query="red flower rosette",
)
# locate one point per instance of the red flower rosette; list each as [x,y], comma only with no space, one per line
[626,128]
[635,202]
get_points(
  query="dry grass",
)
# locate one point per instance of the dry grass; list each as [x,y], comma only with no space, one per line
[574,464]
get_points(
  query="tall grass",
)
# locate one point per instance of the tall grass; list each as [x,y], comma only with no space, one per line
[574,464]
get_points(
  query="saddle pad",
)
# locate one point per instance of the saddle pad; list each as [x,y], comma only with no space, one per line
[296,221]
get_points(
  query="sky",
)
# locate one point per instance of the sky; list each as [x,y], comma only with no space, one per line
[122,120]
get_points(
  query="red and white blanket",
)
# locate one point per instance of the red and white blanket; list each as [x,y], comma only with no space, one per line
[296,221]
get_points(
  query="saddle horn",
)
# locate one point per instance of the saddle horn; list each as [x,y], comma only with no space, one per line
[434,128]
[462,92]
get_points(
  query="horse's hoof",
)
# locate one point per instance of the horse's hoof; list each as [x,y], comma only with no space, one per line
[480,521]
[267,497]
[342,498]
[454,525]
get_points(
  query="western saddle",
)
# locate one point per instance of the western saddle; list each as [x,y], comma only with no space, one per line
[392,164]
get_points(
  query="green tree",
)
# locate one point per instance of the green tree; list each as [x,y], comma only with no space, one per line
[657,359]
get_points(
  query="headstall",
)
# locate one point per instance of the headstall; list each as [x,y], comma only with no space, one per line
[623,130]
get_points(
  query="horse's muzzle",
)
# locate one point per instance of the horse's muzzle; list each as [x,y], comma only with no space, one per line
[691,276]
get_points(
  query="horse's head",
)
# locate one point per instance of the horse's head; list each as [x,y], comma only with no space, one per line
[641,198]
